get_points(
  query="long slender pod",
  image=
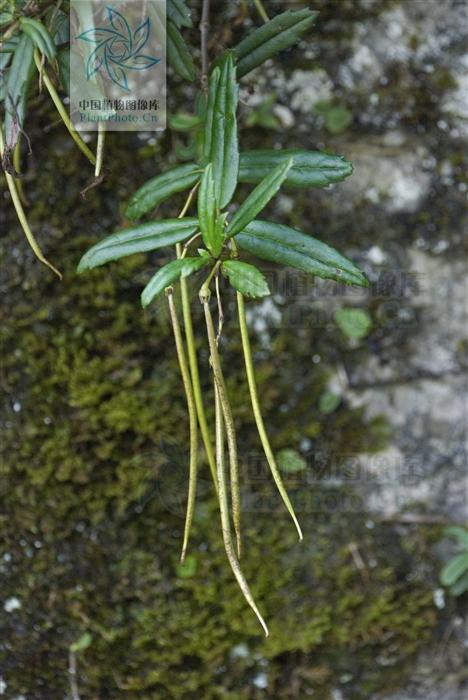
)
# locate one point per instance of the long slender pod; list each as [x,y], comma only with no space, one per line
[257,412]
[22,216]
[101,138]
[184,370]
[229,423]
[224,511]
[192,357]
[61,109]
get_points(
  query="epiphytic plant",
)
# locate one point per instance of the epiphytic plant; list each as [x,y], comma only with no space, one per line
[34,34]
[215,240]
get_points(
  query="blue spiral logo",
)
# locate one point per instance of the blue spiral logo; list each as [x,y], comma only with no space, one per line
[118,49]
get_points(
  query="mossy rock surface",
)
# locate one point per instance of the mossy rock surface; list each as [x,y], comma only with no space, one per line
[93,483]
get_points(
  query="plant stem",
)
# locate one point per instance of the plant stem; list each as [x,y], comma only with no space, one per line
[17,168]
[101,138]
[61,109]
[205,293]
[204,29]
[184,370]
[261,10]
[228,419]
[224,511]
[22,216]
[257,412]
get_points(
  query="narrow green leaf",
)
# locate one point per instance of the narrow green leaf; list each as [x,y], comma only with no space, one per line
[139,239]
[221,142]
[6,17]
[21,71]
[460,586]
[284,245]
[59,26]
[208,111]
[160,188]
[179,13]
[5,58]
[178,54]
[258,199]
[211,223]
[309,168]
[9,45]
[280,33]
[460,534]
[181,121]
[455,568]
[39,35]
[169,274]
[4,73]
[246,278]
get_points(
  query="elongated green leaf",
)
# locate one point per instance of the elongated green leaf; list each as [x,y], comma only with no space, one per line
[309,168]
[179,13]
[182,121]
[59,26]
[281,32]
[21,71]
[246,278]
[178,54]
[39,35]
[139,239]
[258,199]
[460,585]
[457,566]
[169,274]
[460,533]
[5,58]
[221,144]
[161,187]
[211,227]
[284,245]
[3,82]
[9,45]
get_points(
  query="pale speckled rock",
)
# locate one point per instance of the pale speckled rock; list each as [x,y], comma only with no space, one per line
[387,174]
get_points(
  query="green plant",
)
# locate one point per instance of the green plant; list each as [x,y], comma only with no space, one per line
[35,36]
[216,238]
[454,575]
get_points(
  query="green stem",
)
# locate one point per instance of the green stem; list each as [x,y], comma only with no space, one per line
[257,412]
[61,109]
[229,421]
[184,370]
[261,10]
[17,168]
[101,138]
[205,293]
[22,216]
[224,511]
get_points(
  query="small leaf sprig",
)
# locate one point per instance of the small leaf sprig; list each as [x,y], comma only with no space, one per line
[221,234]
